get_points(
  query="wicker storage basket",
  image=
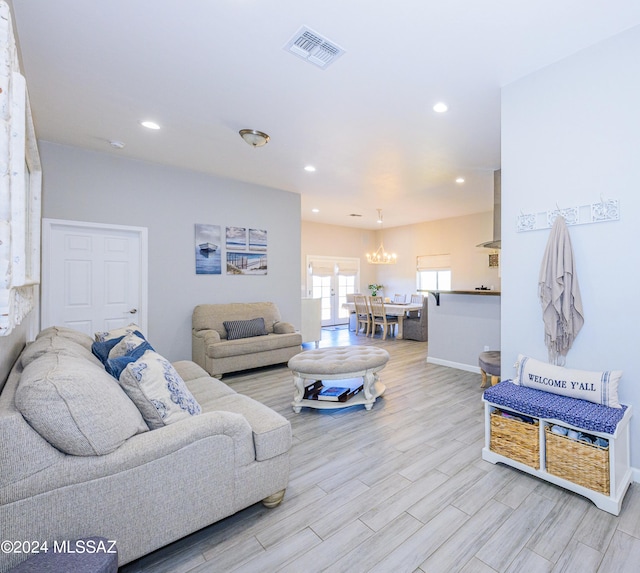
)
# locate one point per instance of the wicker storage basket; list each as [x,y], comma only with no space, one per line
[515,439]
[581,463]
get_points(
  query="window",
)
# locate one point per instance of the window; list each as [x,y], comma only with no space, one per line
[434,280]
[433,272]
[19,193]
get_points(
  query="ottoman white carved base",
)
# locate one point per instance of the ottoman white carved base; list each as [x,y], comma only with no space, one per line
[338,363]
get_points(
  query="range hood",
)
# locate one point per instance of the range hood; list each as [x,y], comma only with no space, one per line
[495,243]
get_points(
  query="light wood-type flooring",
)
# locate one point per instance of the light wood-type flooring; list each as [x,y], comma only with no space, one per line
[403,488]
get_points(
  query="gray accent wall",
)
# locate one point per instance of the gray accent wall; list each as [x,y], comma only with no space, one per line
[571,133]
[82,185]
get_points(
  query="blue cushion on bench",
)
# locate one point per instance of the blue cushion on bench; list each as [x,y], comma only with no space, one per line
[541,404]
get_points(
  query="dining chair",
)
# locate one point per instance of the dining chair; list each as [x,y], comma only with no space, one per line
[417,327]
[400,298]
[363,314]
[416,299]
[379,316]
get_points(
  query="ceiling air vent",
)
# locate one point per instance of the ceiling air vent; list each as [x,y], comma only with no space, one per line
[311,46]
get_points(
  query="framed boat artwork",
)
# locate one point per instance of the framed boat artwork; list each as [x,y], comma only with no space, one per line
[207,249]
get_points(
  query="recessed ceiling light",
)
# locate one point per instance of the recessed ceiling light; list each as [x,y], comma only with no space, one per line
[440,107]
[150,124]
[315,210]
[310,168]
[460,180]
[117,144]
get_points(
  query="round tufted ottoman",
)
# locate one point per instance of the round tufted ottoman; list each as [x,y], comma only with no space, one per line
[489,364]
[338,363]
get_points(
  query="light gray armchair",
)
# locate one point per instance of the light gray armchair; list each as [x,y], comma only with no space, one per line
[415,328]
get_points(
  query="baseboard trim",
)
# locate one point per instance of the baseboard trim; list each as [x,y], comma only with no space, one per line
[450,364]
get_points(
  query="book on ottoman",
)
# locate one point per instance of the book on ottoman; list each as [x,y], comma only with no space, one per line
[341,393]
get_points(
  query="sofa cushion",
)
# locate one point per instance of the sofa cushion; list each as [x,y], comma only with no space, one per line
[243,346]
[207,390]
[69,333]
[245,328]
[158,390]
[57,345]
[596,387]
[103,335]
[76,406]
[189,370]
[271,431]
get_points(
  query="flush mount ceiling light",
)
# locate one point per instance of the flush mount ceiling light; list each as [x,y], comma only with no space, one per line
[381,257]
[440,107]
[150,124]
[310,168]
[460,180]
[254,138]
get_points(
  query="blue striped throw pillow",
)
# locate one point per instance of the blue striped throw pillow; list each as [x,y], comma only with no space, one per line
[244,328]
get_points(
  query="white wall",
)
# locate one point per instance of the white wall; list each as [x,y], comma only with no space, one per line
[457,236]
[571,133]
[83,185]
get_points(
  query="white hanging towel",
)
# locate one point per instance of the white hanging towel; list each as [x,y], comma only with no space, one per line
[559,293]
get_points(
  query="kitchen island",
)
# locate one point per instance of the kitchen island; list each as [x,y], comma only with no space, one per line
[462,324]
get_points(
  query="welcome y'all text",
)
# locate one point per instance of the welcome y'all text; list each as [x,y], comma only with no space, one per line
[586,386]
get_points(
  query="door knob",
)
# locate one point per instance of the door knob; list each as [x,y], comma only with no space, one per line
[133,311]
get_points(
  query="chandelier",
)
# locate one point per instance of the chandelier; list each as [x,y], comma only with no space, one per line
[380,256]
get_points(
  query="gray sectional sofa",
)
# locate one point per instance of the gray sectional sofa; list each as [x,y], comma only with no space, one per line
[214,349]
[77,457]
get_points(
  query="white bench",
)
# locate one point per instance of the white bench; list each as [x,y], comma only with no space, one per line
[548,410]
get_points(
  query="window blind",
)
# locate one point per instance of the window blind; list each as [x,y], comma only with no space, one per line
[433,262]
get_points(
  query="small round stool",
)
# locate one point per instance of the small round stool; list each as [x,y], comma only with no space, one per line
[490,364]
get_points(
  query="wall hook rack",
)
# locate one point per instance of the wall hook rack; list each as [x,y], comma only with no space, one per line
[601,212]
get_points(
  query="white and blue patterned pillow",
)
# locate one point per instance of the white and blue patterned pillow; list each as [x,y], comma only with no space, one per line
[158,391]
[245,328]
[596,387]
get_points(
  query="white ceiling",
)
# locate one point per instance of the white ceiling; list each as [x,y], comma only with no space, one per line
[204,69]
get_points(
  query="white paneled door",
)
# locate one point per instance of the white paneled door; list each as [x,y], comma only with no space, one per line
[94,276]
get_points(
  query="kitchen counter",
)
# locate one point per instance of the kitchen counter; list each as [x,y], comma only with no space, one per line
[486,292]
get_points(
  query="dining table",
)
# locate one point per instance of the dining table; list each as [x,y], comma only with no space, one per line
[401,310]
